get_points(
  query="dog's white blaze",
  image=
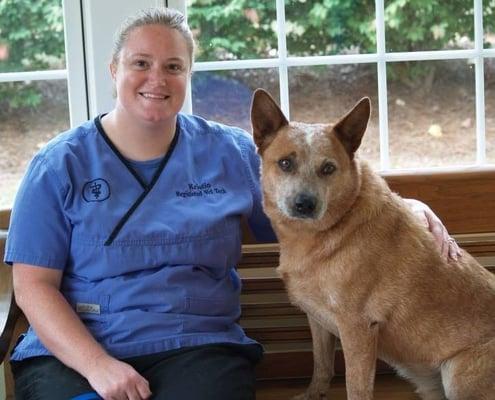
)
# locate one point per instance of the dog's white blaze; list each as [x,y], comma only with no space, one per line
[286,190]
[312,134]
[305,134]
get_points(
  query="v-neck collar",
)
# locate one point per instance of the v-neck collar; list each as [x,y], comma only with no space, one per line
[146,186]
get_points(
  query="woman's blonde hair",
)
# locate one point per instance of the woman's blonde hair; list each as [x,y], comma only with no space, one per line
[166,17]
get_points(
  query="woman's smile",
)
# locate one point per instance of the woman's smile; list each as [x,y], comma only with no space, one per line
[153,96]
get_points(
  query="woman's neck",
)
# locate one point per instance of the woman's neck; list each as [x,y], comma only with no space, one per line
[136,141]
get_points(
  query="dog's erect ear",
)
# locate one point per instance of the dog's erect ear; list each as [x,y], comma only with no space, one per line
[266,118]
[351,127]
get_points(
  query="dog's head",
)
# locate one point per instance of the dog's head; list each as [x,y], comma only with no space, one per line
[309,171]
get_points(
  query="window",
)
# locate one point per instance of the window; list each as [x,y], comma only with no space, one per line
[33,85]
[432,83]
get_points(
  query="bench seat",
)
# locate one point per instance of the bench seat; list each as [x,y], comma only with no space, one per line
[464,200]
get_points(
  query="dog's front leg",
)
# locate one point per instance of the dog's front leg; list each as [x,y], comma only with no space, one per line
[359,342]
[323,365]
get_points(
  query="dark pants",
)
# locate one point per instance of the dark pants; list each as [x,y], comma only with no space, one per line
[210,372]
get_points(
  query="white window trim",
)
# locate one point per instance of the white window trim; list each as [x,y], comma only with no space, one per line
[33,75]
[74,56]
[76,68]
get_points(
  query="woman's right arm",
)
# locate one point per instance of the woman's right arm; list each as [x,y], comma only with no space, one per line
[63,333]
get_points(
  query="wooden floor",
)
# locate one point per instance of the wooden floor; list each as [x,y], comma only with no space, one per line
[387,387]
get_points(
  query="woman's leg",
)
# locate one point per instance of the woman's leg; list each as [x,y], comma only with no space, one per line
[47,378]
[211,372]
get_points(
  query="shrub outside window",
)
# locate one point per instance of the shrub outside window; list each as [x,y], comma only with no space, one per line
[33,85]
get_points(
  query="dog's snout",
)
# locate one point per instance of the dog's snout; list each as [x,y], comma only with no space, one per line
[304,205]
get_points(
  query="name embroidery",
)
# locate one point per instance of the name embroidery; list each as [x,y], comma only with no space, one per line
[200,190]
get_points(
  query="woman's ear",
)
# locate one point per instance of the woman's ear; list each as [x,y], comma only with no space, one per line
[113,70]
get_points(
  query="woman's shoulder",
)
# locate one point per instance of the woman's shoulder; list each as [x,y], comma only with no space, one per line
[69,140]
[197,125]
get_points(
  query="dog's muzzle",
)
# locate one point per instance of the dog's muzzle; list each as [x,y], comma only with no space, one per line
[304,206]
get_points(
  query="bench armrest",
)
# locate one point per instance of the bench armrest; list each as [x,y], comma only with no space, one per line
[9,312]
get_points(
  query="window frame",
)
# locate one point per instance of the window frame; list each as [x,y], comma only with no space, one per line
[74,62]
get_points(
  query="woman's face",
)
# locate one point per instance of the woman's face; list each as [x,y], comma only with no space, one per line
[151,74]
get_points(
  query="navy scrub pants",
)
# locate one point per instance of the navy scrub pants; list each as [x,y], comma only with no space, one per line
[209,372]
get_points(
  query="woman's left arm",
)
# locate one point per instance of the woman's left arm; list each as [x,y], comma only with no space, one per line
[447,245]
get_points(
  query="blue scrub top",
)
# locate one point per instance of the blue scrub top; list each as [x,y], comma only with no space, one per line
[148,259]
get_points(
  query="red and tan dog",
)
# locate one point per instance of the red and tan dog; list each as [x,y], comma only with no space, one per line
[363,268]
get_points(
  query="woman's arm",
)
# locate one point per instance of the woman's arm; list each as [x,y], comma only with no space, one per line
[447,245]
[63,333]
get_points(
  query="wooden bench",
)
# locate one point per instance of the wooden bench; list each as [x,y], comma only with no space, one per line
[465,201]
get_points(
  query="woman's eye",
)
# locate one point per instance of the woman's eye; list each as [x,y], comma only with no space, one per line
[327,168]
[285,164]
[175,68]
[141,64]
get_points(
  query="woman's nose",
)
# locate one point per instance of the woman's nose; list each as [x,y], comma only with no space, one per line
[158,74]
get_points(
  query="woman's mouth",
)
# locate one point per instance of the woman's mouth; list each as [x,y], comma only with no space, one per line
[154,96]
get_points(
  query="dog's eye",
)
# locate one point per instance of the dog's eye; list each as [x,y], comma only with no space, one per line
[327,168]
[285,164]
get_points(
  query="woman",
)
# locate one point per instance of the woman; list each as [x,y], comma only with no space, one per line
[125,265]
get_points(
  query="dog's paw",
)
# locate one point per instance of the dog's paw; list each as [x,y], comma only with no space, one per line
[301,396]
[311,395]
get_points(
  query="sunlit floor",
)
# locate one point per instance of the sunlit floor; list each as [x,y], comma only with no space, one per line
[387,387]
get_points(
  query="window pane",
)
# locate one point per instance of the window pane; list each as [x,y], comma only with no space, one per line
[225,96]
[432,113]
[23,132]
[489,23]
[428,25]
[31,35]
[323,94]
[490,109]
[227,30]
[314,27]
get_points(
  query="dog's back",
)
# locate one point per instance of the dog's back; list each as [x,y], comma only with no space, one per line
[429,308]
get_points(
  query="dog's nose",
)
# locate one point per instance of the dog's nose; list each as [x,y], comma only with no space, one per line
[304,205]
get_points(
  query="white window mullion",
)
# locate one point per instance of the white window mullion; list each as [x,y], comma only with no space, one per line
[282,57]
[480,83]
[236,64]
[74,51]
[181,6]
[382,86]
[33,75]
[432,55]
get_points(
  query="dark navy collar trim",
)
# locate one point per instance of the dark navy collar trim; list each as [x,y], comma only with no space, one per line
[147,187]
[124,160]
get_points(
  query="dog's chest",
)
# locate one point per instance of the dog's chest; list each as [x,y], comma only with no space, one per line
[314,299]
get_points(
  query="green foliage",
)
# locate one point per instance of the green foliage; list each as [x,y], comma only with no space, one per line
[32,38]
[330,26]
[439,24]
[233,29]
[242,29]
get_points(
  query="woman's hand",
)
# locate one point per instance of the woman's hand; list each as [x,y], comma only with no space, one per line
[447,245]
[115,380]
